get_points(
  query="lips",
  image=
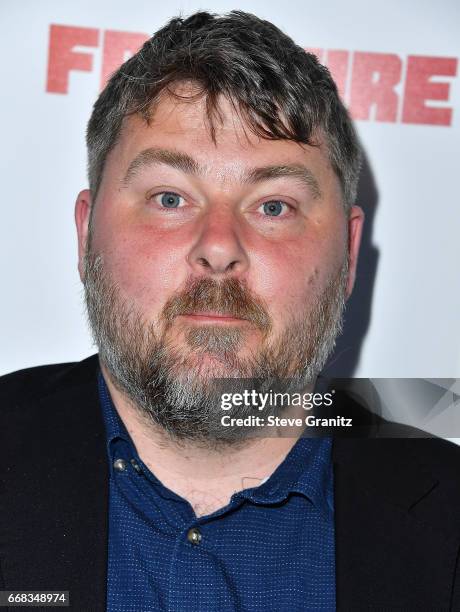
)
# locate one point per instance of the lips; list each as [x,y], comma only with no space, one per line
[208,314]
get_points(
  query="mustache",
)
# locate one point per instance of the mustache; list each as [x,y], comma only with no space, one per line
[229,297]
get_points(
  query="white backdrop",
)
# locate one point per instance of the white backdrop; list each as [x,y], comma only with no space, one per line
[403,320]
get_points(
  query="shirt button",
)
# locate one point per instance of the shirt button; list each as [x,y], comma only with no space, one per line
[194,535]
[119,465]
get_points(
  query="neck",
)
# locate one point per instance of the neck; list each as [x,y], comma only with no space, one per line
[206,477]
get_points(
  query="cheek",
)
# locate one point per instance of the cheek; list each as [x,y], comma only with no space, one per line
[284,271]
[290,275]
[145,264]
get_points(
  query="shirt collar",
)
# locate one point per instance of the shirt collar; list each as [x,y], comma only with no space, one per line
[306,470]
[114,426]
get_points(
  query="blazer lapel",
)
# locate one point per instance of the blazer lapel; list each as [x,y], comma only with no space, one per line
[391,550]
[55,493]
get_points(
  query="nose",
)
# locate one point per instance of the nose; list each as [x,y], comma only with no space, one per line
[218,249]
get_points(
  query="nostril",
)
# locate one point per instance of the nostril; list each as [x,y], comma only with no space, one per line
[203,262]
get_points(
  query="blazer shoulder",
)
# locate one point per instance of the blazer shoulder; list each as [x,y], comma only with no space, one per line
[39,381]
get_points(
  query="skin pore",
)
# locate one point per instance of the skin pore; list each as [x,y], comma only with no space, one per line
[175,206]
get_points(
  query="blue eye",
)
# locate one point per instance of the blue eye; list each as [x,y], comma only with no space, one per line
[170,200]
[273,208]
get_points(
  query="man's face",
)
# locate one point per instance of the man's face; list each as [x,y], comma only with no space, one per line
[220,258]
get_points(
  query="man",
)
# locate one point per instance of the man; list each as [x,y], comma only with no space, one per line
[218,240]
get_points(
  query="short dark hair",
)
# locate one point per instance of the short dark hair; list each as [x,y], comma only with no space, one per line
[280,90]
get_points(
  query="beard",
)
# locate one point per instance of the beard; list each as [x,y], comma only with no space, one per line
[178,385]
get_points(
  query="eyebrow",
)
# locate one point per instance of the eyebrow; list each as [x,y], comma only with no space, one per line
[185,163]
[296,171]
[149,157]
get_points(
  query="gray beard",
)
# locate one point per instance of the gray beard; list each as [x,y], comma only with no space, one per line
[184,399]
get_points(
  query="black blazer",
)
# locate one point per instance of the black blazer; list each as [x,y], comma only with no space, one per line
[397,502]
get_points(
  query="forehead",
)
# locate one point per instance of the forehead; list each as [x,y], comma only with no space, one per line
[226,152]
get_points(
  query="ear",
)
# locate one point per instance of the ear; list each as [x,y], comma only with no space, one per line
[82,214]
[355,227]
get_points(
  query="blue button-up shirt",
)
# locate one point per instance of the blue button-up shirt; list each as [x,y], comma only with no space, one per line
[270,548]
